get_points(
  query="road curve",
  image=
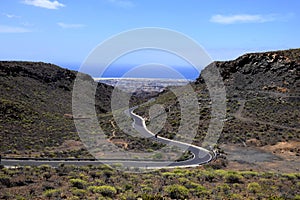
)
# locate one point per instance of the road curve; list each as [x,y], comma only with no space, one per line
[200,155]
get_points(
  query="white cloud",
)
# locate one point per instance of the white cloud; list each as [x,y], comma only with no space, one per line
[64,25]
[44,4]
[13,29]
[122,3]
[242,18]
[10,15]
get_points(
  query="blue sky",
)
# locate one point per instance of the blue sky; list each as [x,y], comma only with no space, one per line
[64,32]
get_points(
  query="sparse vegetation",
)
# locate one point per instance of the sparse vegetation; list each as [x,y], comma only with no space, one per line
[262,110]
[52,193]
[192,183]
[177,191]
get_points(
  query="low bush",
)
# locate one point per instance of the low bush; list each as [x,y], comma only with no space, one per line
[177,191]
[52,193]
[254,187]
[78,183]
[233,178]
[105,190]
[79,192]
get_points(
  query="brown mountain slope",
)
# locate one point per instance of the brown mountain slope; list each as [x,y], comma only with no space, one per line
[36,105]
[263,106]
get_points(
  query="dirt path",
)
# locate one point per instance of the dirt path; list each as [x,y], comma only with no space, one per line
[116,141]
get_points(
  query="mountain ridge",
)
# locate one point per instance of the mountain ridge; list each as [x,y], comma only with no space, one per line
[36,104]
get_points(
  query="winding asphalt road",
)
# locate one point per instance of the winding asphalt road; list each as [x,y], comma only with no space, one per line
[200,155]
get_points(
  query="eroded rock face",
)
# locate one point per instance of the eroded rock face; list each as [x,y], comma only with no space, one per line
[275,71]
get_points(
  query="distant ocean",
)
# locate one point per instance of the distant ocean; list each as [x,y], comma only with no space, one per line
[188,73]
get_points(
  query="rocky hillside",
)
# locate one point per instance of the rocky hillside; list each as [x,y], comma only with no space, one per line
[277,71]
[263,105]
[36,107]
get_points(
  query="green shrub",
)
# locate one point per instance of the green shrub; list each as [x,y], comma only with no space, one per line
[233,178]
[78,183]
[52,193]
[128,196]
[266,182]
[107,173]
[225,188]
[209,176]
[44,167]
[254,187]
[46,175]
[290,176]
[177,191]
[147,189]
[183,180]
[220,172]
[197,189]
[151,197]
[196,186]
[249,174]
[79,192]
[297,186]
[236,197]
[105,190]
[268,175]
[297,197]
[168,174]
[18,197]
[128,186]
